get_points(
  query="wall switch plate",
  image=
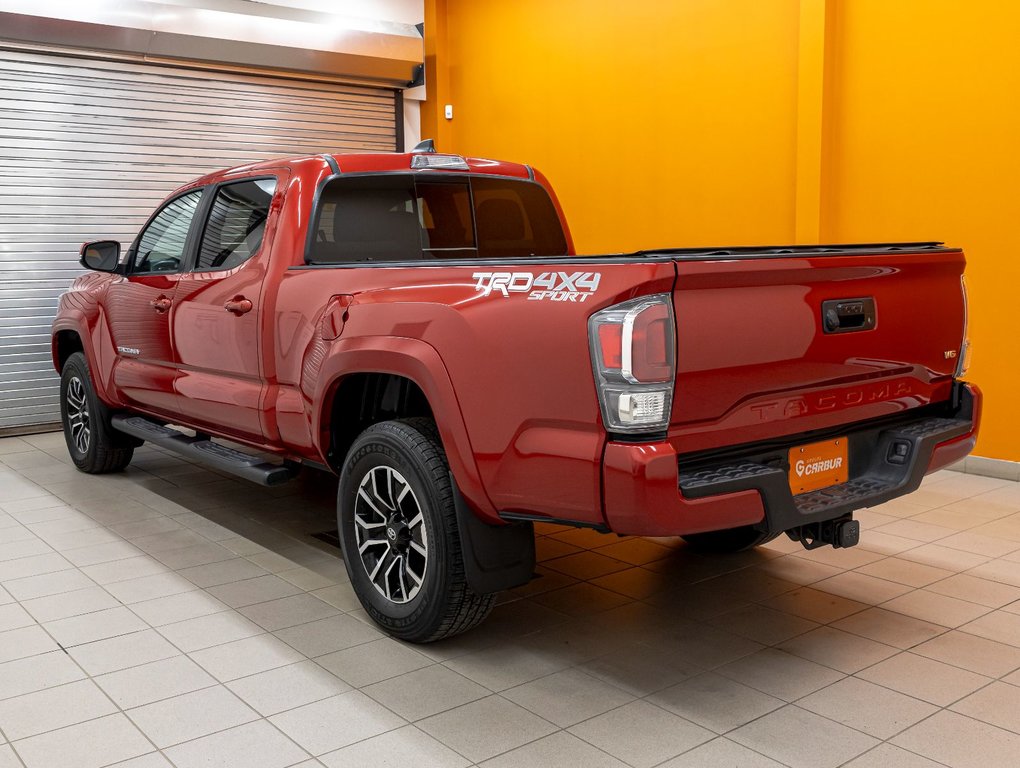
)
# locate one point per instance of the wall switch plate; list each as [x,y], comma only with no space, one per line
[449,111]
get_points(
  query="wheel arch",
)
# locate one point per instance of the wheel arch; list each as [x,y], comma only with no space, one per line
[372,379]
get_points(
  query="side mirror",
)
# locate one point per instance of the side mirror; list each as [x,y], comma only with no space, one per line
[101,255]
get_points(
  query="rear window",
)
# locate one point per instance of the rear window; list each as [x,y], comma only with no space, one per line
[400,217]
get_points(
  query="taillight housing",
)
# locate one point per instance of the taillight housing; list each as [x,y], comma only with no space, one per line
[963,359]
[633,354]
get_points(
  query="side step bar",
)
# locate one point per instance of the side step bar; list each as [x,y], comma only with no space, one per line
[202,449]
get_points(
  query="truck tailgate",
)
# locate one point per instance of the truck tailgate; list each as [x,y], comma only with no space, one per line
[786,343]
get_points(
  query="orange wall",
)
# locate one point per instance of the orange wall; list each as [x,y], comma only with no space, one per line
[923,142]
[750,122]
[659,123]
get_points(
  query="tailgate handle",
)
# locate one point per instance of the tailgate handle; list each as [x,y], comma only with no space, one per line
[846,315]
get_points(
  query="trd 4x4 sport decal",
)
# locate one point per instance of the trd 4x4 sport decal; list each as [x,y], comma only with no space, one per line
[554,286]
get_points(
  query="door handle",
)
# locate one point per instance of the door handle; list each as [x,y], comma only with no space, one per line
[161,303]
[238,305]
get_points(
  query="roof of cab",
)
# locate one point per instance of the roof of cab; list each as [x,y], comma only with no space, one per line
[369,162]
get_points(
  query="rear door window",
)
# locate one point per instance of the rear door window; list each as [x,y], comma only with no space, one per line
[236,224]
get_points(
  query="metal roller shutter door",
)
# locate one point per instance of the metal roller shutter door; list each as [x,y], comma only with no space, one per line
[88,148]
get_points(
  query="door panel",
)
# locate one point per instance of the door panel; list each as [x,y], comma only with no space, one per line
[215,323]
[139,307]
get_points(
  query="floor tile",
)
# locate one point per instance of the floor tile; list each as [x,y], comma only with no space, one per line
[889,627]
[715,702]
[7,757]
[1000,626]
[641,734]
[862,587]
[35,673]
[554,751]
[640,668]
[996,704]
[780,674]
[14,616]
[122,652]
[86,745]
[504,666]
[53,708]
[374,661]
[47,584]
[721,753]
[780,735]
[66,604]
[566,698]
[904,572]
[961,742]
[287,687]
[253,745]
[247,656]
[191,716]
[815,605]
[155,681]
[837,649]
[405,746]
[260,589]
[149,587]
[867,707]
[207,631]
[336,722]
[176,608]
[924,678]
[978,654]
[935,608]
[317,638]
[431,690]
[23,642]
[78,630]
[762,624]
[888,756]
[224,572]
[288,611]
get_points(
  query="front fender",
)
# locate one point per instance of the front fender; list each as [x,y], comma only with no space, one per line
[97,347]
[420,362]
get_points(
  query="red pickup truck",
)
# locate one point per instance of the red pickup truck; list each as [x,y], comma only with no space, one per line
[420,325]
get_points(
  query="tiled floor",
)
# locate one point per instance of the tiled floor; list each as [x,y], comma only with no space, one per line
[172,616]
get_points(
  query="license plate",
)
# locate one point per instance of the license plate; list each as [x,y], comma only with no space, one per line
[818,465]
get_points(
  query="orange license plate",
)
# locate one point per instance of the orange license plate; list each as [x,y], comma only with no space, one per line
[818,465]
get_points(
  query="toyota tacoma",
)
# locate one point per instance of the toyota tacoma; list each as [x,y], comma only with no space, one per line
[419,324]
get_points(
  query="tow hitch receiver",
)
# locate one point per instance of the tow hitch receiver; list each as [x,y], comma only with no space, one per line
[840,533]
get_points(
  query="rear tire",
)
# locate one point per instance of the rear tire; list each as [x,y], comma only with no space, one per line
[729,540]
[94,445]
[399,534]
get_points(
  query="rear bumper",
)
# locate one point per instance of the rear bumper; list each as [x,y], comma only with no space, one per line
[646,493]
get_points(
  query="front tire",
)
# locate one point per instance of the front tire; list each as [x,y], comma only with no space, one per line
[728,541]
[95,447]
[399,534]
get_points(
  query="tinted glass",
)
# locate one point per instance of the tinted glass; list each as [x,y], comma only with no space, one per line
[405,218]
[236,224]
[161,246]
[367,219]
[445,211]
[515,218]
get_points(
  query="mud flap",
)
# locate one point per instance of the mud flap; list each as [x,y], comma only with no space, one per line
[496,557]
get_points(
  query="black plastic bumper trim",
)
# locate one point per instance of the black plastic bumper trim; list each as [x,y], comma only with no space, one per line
[874,478]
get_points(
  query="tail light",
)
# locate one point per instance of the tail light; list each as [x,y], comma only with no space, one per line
[963,359]
[633,356]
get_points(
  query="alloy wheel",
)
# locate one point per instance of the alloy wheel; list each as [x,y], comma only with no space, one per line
[78,420]
[390,532]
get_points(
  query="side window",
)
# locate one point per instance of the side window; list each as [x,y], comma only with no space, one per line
[366,219]
[236,224]
[161,246]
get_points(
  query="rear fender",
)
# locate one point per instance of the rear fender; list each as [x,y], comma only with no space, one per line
[420,362]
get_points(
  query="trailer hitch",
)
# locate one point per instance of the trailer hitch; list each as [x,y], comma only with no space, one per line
[840,533]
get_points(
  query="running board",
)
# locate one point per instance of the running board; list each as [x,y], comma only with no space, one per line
[202,449]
